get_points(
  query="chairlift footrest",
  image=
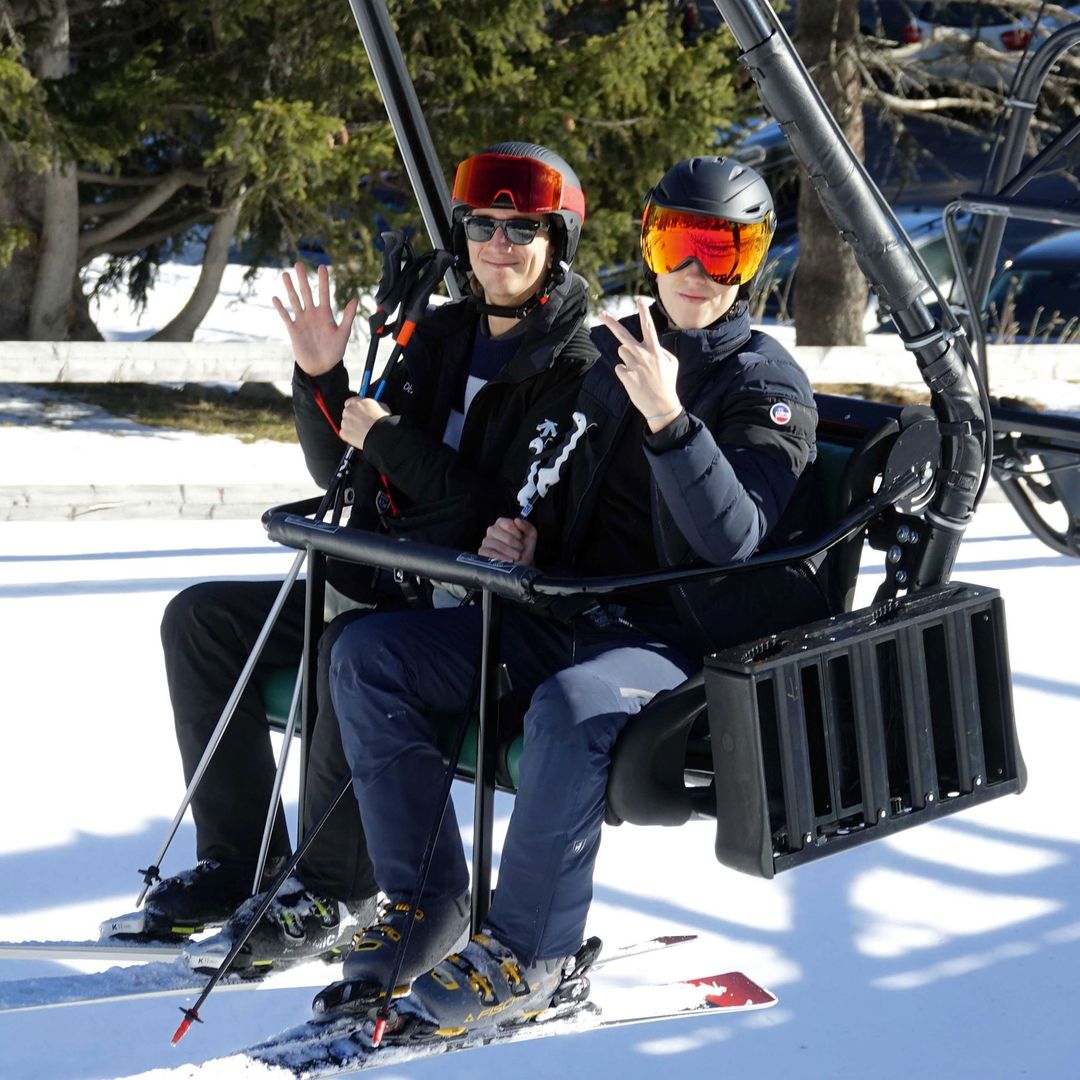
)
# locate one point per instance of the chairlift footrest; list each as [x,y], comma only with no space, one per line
[853,728]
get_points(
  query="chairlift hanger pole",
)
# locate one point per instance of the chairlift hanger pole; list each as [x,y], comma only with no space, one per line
[866,222]
[407,120]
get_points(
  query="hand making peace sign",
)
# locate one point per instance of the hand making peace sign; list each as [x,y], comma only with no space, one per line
[318,339]
[647,371]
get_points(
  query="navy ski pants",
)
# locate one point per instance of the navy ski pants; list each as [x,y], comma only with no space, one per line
[395,677]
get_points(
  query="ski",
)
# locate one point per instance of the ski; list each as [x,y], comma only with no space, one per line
[153,980]
[88,950]
[338,1047]
[169,979]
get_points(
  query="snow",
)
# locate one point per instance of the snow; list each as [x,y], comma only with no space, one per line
[952,947]
[949,950]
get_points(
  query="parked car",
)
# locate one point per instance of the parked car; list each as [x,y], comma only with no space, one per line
[960,40]
[1036,295]
[774,299]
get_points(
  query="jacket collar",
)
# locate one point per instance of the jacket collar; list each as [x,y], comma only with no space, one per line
[697,349]
[566,304]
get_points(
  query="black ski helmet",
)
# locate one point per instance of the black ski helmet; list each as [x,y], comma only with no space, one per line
[563,201]
[717,187]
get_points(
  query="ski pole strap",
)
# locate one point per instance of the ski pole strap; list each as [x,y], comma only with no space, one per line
[320,401]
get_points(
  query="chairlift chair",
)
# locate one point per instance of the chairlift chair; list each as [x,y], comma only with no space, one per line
[826,735]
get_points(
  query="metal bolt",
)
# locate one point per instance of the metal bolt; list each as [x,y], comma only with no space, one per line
[808,838]
[903,534]
[901,577]
[881,815]
[978,781]
[929,797]
[914,538]
[894,555]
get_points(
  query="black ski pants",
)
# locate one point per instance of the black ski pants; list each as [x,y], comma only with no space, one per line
[207,633]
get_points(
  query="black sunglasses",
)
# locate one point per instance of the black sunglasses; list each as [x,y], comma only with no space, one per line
[516,230]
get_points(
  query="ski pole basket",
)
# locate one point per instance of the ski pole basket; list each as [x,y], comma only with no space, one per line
[855,727]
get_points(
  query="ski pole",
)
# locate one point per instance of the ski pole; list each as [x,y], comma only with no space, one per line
[191,1015]
[406,284]
[153,872]
[279,776]
[397,262]
[431,268]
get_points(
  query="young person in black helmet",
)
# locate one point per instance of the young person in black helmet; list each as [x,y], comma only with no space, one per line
[700,431]
[442,453]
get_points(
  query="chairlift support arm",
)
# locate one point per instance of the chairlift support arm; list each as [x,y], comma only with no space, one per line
[866,222]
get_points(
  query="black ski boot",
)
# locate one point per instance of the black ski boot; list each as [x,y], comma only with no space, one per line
[437,929]
[297,926]
[177,907]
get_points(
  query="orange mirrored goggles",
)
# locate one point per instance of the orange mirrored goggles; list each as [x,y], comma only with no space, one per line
[729,252]
[486,180]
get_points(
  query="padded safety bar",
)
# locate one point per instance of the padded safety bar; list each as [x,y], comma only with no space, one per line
[525,583]
[504,579]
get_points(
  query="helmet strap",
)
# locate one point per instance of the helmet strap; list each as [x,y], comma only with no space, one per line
[555,277]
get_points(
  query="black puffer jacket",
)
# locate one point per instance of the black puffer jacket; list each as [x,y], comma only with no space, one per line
[444,496]
[734,481]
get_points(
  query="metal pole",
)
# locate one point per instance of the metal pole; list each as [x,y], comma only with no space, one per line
[150,875]
[279,776]
[407,119]
[314,610]
[1023,105]
[883,254]
[484,777]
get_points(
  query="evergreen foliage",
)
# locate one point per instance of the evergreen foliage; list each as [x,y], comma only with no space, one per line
[174,111]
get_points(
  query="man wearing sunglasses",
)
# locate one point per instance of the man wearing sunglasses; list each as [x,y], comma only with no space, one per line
[442,454]
[700,434]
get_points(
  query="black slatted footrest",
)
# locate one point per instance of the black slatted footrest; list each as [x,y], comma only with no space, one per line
[850,729]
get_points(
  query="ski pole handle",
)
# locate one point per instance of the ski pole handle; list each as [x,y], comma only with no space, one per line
[433,267]
[397,272]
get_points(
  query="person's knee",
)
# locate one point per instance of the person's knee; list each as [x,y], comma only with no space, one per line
[576,708]
[363,650]
[190,609]
[330,637]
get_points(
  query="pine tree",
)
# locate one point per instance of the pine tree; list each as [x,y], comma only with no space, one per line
[130,127]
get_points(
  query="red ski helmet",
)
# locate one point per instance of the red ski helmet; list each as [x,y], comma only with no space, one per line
[524,177]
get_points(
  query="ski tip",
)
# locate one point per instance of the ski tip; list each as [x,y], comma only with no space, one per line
[734,990]
[190,1017]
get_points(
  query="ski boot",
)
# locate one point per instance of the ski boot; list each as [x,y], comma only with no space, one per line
[297,926]
[439,927]
[186,903]
[482,988]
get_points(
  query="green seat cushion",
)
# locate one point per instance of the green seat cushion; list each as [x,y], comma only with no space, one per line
[276,686]
[829,467]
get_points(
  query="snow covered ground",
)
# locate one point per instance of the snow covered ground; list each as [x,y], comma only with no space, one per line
[951,950]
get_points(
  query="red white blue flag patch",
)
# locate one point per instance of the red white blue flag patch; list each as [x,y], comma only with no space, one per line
[780,413]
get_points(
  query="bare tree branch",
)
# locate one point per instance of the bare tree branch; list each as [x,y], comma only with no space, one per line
[145,206]
[137,241]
